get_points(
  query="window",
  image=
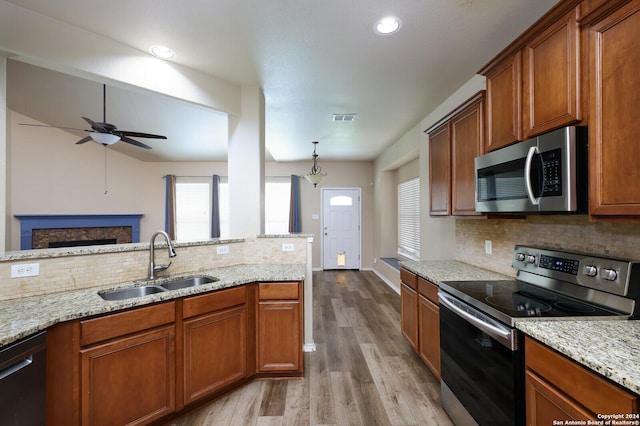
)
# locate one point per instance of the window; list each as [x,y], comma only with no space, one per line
[409,219]
[193,208]
[277,193]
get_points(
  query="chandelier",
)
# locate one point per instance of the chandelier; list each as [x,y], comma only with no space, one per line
[315,175]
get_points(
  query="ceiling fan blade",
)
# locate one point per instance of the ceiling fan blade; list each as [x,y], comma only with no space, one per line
[95,126]
[140,135]
[83,140]
[55,127]
[134,142]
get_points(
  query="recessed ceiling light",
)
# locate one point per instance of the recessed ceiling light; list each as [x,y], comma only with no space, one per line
[388,25]
[162,52]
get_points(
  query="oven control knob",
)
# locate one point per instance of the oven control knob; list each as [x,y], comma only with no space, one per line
[520,257]
[531,258]
[590,271]
[610,274]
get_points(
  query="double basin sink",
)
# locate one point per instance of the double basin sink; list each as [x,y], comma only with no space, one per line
[165,285]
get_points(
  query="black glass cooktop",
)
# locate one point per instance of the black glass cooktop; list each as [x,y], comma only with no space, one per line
[510,299]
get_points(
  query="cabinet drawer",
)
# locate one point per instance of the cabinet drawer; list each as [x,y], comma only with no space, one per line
[278,291]
[585,387]
[428,290]
[215,301]
[409,278]
[123,323]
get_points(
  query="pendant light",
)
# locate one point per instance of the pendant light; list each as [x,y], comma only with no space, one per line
[315,175]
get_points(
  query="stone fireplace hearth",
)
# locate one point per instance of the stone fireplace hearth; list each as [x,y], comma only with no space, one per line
[49,231]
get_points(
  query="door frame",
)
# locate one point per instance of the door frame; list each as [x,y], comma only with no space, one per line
[322,192]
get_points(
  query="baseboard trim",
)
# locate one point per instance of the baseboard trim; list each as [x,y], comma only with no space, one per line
[390,284]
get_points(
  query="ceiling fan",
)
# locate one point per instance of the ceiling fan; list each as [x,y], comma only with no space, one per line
[106,133]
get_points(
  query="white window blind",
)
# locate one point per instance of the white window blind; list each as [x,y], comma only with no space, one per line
[409,218]
[277,193]
[193,210]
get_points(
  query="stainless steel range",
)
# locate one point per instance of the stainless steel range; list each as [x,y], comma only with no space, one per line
[482,356]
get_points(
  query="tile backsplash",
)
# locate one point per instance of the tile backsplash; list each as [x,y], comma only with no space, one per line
[567,232]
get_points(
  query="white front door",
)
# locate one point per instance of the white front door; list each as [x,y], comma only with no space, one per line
[341,228]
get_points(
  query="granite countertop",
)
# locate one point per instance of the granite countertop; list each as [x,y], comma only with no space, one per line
[23,317]
[611,348]
[450,270]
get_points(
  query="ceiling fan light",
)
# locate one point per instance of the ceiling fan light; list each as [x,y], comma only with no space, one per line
[104,138]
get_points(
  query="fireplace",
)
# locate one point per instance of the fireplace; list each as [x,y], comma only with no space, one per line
[49,231]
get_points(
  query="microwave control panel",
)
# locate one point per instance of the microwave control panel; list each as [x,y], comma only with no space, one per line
[551,173]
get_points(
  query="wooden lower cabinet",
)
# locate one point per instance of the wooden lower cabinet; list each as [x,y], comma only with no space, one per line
[138,366]
[214,342]
[128,366]
[429,326]
[279,327]
[420,318]
[545,404]
[129,381]
[409,314]
[558,388]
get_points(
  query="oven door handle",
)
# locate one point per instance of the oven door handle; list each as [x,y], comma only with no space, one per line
[527,175]
[502,335]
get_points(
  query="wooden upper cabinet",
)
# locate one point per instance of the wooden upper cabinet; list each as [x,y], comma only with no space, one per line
[440,170]
[453,145]
[504,101]
[614,166]
[551,77]
[467,140]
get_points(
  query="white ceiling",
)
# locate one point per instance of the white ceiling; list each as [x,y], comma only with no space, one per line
[311,58]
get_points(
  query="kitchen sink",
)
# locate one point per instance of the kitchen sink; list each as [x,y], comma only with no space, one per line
[128,293]
[187,282]
[172,284]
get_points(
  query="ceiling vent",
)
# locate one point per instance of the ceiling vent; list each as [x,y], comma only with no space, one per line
[344,117]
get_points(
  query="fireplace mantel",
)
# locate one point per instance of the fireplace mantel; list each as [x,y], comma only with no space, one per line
[30,222]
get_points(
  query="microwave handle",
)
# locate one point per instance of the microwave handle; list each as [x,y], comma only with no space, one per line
[527,175]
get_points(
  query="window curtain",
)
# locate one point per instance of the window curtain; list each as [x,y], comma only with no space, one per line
[170,207]
[295,225]
[215,207]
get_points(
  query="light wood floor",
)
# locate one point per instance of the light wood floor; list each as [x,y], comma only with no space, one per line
[362,373]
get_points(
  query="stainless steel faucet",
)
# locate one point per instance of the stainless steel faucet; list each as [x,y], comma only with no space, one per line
[172,253]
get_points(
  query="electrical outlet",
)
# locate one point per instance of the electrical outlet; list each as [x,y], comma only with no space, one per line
[487,247]
[288,247]
[222,249]
[25,270]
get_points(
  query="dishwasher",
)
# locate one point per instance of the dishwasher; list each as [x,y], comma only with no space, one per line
[23,381]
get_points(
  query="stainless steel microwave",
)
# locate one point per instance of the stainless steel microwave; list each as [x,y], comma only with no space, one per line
[545,174]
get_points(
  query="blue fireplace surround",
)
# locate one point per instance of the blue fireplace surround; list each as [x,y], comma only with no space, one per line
[51,221]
